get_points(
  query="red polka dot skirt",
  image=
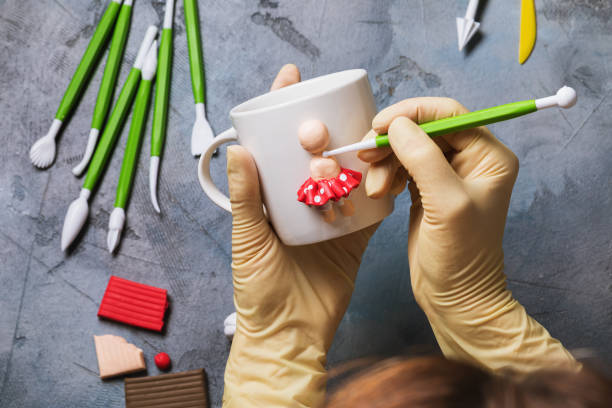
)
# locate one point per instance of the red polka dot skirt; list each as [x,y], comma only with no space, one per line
[319,192]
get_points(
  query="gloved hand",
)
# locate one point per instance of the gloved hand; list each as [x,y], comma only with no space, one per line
[460,188]
[289,300]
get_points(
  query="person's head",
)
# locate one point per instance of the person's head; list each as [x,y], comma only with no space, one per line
[313,136]
[434,382]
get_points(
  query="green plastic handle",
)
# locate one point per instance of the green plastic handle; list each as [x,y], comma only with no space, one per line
[111,71]
[132,147]
[196,58]
[88,62]
[162,93]
[471,120]
[112,129]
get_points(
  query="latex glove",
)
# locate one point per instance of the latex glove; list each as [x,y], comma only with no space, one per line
[289,300]
[460,189]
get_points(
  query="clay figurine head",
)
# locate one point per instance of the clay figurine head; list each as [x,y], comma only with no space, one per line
[313,136]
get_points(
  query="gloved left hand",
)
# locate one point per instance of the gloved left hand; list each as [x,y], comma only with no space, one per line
[289,300]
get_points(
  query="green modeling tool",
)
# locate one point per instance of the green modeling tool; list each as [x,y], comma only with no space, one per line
[109,81]
[564,98]
[79,208]
[130,157]
[42,152]
[162,94]
[201,134]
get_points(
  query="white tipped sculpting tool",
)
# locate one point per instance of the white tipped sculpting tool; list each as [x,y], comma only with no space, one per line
[130,157]
[79,209]
[564,98]
[162,93]
[202,133]
[466,26]
[42,153]
[109,81]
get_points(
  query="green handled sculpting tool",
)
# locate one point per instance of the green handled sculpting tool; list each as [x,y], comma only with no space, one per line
[79,208]
[564,98]
[162,94]
[201,134]
[109,81]
[42,152]
[130,157]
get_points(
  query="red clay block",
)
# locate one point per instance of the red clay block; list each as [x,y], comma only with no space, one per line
[134,303]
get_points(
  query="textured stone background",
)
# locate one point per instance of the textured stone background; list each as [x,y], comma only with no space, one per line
[558,239]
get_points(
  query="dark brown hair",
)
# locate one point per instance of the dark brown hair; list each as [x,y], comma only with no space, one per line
[434,382]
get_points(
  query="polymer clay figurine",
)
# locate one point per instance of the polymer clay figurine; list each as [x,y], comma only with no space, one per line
[328,182]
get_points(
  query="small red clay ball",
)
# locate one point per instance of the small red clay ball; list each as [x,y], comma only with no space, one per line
[162,361]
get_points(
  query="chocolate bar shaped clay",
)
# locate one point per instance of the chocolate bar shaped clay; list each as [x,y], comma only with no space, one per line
[185,390]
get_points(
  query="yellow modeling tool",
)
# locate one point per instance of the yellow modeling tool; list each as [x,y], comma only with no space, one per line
[528,29]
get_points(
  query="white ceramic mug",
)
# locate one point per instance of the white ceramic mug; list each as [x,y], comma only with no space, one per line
[267,126]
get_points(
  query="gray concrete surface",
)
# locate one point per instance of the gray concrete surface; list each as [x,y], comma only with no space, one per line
[558,240]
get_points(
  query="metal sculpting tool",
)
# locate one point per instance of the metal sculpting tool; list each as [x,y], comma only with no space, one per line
[201,134]
[109,81]
[42,153]
[162,94]
[564,98]
[132,148]
[79,208]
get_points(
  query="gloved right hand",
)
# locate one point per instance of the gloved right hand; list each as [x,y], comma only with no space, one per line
[460,188]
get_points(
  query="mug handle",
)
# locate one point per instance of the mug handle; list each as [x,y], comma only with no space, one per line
[206,182]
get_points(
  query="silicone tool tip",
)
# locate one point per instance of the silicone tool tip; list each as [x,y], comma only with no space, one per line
[566,97]
[42,153]
[145,46]
[150,63]
[65,242]
[202,134]
[153,174]
[169,15]
[115,226]
[196,148]
[75,219]
[364,144]
[89,150]
[112,240]
[466,28]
